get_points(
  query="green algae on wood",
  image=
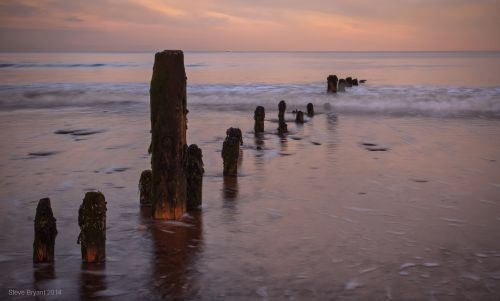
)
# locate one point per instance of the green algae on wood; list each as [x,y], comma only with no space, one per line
[168,135]
[194,176]
[45,232]
[92,222]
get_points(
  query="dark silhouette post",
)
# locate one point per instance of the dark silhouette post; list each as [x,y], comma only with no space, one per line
[299,118]
[194,176]
[145,187]
[231,151]
[92,222]
[332,81]
[259,116]
[342,85]
[168,135]
[45,232]
[310,110]
[348,81]
[282,128]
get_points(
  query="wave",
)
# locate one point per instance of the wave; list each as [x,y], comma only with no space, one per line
[66,65]
[26,65]
[367,99]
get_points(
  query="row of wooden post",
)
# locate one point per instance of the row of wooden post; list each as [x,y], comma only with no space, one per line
[174,183]
[334,84]
[92,222]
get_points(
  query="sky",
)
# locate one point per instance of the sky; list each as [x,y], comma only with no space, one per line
[249,25]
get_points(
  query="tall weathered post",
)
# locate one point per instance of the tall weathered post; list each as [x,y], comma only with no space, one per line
[299,118]
[231,151]
[194,176]
[282,128]
[259,116]
[332,81]
[145,187]
[92,222]
[310,110]
[168,135]
[45,232]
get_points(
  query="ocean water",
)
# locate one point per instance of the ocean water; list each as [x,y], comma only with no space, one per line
[313,215]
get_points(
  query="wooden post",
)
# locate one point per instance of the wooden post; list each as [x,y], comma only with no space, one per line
[145,187]
[45,232]
[259,116]
[332,81]
[168,135]
[282,128]
[310,110]
[355,82]
[342,85]
[92,222]
[231,151]
[194,176]
[348,82]
[299,118]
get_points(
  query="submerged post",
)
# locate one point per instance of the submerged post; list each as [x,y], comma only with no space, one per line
[45,232]
[168,135]
[92,222]
[231,151]
[348,81]
[145,187]
[310,110]
[194,176]
[299,118]
[282,128]
[342,85]
[332,81]
[259,116]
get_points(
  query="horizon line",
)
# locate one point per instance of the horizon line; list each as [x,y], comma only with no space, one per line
[245,51]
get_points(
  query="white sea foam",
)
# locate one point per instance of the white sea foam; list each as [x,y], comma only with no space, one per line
[373,99]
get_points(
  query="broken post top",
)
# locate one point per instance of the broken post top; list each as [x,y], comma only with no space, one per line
[168,72]
[194,160]
[310,109]
[282,106]
[93,208]
[44,219]
[171,52]
[43,209]
[260,112]
[236,133]
[332,78]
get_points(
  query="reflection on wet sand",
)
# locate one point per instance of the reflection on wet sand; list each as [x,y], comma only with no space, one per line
[92,280]
[175,248]
[43,271]
[259,155]
[283,144]
[42,274]
[331,125]
[230,188]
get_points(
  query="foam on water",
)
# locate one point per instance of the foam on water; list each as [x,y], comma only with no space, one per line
[369,99]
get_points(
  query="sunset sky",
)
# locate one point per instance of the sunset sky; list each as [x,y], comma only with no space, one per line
[301,25]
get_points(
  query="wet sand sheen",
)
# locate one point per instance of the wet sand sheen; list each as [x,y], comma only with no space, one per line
[312,215]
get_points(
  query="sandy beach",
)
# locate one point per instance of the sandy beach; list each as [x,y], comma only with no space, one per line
[390,192]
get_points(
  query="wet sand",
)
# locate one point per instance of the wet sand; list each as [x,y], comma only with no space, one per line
[347,206]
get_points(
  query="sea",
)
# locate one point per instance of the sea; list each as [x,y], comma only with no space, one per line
[391,191]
